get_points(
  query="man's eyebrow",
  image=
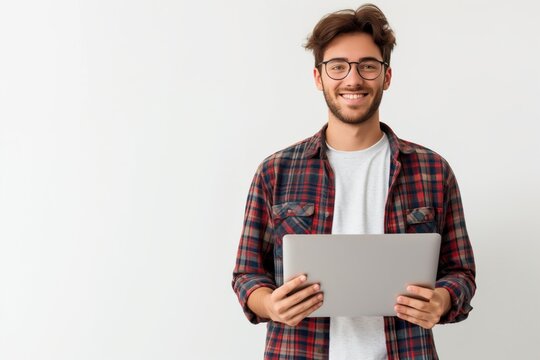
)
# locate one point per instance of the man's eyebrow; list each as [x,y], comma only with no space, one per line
[369,58]
[338,58]
[361,59]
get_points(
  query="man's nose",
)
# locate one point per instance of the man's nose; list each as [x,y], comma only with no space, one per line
[353,77]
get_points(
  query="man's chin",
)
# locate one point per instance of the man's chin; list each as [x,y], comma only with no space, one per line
[352,120]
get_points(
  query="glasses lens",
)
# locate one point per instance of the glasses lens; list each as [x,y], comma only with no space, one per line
[337,69]
[369,69]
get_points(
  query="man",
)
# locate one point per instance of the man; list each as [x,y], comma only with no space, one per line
[354,176]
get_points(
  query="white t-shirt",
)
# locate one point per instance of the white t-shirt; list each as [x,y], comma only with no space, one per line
[361,180]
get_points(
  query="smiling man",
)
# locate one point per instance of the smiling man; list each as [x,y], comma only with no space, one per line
[355,176]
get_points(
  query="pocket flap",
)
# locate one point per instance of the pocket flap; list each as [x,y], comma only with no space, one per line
[293,208]
[420,215]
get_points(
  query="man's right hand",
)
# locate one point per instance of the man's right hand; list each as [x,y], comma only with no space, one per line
[282,306]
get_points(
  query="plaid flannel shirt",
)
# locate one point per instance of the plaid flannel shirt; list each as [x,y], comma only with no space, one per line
[293,192]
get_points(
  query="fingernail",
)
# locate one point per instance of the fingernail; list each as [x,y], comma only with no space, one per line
[320,297]
[303,278]
[316,286]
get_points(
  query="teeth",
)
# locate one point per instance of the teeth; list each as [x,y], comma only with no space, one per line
[353,96]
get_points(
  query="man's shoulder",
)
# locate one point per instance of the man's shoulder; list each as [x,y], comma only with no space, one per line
[291,158]
[410,150]
[295,152]
[416,154]
[418,149]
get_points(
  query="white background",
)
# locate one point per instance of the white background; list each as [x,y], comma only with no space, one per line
[130,131]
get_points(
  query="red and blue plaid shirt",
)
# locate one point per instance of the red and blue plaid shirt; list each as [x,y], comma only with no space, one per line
[293,192]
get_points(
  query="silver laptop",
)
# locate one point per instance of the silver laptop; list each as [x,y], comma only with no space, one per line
[362,274]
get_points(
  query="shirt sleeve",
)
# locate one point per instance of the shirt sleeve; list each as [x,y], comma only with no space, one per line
[254,262]
[457,270]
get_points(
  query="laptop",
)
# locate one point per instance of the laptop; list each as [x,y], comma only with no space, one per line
[362,275]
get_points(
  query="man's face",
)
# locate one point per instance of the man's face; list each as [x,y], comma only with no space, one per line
[353,100]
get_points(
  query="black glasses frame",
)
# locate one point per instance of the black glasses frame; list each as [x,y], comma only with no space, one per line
[384,63]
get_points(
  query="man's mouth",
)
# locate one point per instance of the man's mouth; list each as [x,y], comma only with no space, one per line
[354,96]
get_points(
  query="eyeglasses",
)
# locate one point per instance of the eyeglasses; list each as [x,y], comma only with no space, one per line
[338,69]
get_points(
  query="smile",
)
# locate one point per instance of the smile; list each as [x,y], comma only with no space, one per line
[354,96]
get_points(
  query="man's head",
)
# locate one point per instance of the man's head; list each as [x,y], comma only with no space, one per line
[352,56]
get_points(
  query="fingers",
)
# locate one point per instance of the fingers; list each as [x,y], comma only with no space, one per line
[282,291]
[298,312]
[423,313]
[297,303]
[310,306]
[421,305]
[428,317]
[420,291]
[301,300]
[292,308]
[427,313]
[426,324]
[299,296]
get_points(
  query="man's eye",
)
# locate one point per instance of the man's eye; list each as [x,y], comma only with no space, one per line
[338,67]
[368,66]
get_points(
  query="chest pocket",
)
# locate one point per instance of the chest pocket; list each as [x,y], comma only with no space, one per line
[293,217]
[421,220]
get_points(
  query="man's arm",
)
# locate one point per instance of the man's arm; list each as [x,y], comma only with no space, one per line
[253,277]
[254,267]
[455,287]
[457,268]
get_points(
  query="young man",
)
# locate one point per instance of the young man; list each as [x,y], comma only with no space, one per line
[355,176]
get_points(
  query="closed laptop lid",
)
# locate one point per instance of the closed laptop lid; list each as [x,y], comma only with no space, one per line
[362,274]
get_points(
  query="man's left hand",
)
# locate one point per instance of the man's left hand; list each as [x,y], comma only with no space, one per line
[425,313]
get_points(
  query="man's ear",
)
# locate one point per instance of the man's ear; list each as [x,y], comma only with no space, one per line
[387,78]
[317,78]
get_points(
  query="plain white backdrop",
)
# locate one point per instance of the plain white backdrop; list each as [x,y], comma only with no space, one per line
[130,131]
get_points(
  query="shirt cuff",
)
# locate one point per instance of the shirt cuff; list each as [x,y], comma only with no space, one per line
[459,303]
[244,285]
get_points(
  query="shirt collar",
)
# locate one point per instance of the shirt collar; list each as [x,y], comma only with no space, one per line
[317,144]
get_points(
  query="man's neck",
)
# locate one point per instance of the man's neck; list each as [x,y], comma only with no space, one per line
[350,137]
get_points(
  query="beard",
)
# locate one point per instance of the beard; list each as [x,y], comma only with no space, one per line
[339,114]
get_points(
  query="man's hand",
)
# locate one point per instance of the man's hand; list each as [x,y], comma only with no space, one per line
[281,306]
[423,313]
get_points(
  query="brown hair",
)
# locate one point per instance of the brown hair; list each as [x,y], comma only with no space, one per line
[368,18]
